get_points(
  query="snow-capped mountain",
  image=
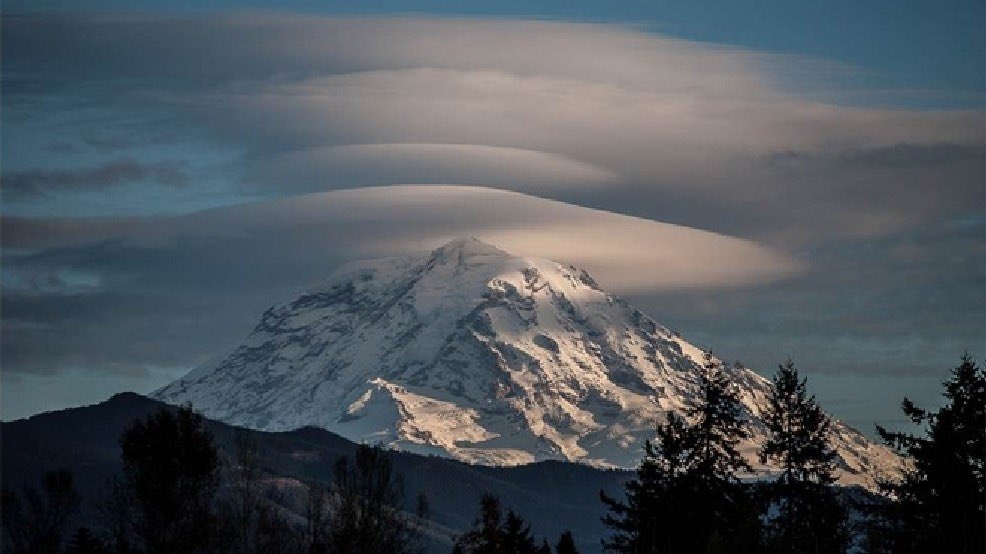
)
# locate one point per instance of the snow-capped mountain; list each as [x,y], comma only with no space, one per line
[473,353]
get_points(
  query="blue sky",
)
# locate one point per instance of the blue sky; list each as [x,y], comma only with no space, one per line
[845,137]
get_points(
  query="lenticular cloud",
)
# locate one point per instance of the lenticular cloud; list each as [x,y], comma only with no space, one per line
[625,253]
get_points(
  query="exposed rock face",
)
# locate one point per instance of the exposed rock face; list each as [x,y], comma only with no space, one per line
[473,353]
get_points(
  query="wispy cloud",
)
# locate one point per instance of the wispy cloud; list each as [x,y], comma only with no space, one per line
[32,183]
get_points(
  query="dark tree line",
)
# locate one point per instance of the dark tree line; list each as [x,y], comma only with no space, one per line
[687,496]
[169,499]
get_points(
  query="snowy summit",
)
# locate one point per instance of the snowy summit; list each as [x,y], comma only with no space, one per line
[470,352]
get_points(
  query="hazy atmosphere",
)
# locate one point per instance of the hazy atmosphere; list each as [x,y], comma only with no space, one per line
[786,181]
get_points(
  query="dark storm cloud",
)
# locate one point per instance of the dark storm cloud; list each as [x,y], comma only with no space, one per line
[32,183]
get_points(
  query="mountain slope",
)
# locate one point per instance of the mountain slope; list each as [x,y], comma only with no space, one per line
[473,353]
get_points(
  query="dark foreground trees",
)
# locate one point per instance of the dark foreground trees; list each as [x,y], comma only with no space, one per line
[363,512]
[805,514]
[35,521]
[177,494]
[250,516]
[170,476]
[566,544]
[940,503]
[687,496]
[170,501]
[492,533]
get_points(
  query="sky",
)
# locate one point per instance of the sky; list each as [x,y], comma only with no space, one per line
[773,179]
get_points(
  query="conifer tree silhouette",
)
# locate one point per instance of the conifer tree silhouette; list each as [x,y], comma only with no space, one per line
[939,504]
[687,496]
[809,517]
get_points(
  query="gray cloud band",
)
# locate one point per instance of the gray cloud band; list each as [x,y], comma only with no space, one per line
[570,111]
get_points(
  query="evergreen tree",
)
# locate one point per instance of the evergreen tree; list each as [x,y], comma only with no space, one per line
[687,496]
[939,504]
[719,427]
[485,537]
[171,473]
[722,512]
[492,534]
[517,538]
[646,521]
[566,544]
[809,517]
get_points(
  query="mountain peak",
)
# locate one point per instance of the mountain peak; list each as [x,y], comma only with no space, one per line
[472,353]
[468,247]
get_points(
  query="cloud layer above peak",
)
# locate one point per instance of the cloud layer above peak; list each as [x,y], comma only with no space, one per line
[626,254]
[717,137]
